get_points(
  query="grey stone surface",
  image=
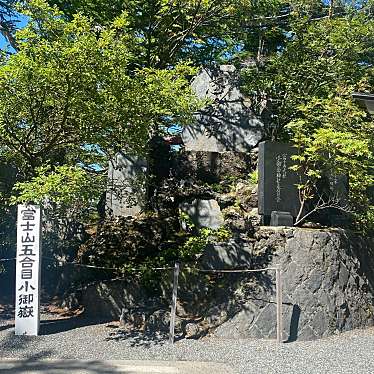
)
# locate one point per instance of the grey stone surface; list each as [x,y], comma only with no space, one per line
[315,280]
[204,213]
[108,299]
[277,189]
[227,124]
[281,219]
[209,167]
[338,188]
[126,192]
[233,254]
[327,281]
[327,278]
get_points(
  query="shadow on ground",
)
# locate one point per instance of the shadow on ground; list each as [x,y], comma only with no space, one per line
[51,325]
[34,365]
[48,327]
[139,338]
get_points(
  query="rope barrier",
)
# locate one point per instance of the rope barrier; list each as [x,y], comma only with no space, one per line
[156,268]
[165,268]
[175,285]
[100,267]
[230,270]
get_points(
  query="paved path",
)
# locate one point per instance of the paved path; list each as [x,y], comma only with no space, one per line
[10,366]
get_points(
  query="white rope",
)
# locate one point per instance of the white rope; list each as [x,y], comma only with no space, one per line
[231,271]
[159,268]
[101,267]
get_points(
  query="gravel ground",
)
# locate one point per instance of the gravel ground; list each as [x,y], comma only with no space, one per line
[74,338]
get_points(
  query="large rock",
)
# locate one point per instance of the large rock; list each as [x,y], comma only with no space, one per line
[328,279]
[107,299]
[227,124]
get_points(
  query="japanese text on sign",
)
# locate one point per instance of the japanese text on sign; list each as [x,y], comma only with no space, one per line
[28,270]
[281,173]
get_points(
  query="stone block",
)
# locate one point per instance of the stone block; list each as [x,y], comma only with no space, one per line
[204,213]
[281,219]
[267,319]
[314,280]
[320,323]
[227,124]
[343,276]
[338,186]
[292,276]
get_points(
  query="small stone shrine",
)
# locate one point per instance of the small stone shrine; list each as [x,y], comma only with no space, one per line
[126,192]
[277,191]
[227,124]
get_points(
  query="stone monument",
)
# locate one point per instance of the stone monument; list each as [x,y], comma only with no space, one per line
[126,192]
[227,124]
[277,189]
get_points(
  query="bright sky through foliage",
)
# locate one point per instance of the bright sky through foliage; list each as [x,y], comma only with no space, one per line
[21,22]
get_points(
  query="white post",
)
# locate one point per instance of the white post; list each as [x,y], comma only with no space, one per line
[27,308]
[174,303]
[278,282]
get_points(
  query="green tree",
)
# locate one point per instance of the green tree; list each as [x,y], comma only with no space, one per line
[206,31]
[302,88]
[318,59]
[333,138]
[70,95]
[7,20]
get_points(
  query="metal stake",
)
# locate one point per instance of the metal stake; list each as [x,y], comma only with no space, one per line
[174,303]
[278,283]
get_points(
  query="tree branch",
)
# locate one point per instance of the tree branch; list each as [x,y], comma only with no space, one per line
[332,203]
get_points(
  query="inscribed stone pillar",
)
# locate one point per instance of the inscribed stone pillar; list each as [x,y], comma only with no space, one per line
[126,193]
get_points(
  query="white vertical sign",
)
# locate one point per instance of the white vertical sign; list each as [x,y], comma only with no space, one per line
[28,270]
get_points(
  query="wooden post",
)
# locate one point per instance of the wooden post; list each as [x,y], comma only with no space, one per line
[278,283]
[174,303]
